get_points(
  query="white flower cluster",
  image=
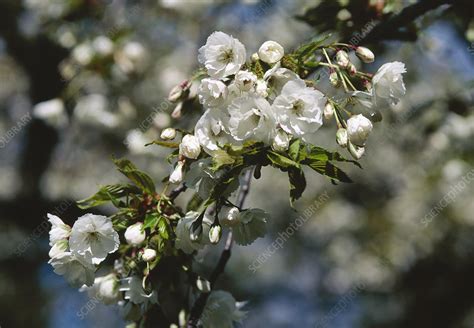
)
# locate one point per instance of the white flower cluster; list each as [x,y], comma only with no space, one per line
[239,106]
[77,251]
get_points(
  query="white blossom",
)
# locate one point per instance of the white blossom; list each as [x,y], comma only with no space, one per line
[358,129]
[388,83]
[94,235]
[271,52]
[211,130]
[221,310]
[245,80]
[104,289]
[177,175]
[76,269]
[103,45]
[212,93]
[299,109]
[261,88]
[134,292]
[251,118]
[251,225]
[222,55]
[59,230]
[201,178]
[135,235]
[277,77]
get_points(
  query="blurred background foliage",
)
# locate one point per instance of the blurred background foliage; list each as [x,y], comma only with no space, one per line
[384,251]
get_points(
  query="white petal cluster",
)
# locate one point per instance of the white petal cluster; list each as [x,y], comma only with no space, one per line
[388,83]
[212,93]
[93,235]
[221,310]
[299,109]
[76,251]
[222,55]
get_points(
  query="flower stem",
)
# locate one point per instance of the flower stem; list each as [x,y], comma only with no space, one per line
[198,307]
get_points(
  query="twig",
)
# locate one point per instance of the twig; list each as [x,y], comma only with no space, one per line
[198,307]
[177,191]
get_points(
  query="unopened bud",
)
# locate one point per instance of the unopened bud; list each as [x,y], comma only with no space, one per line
[341,137]
[254,57]
[196,230]
[231,218]
[190,147]
[168,134]
[328,111]
[215,234]
[365,54]
[175,93]
[176,114]
[149,255]
[177,174]
[352,69]
[334,79]
[342,58]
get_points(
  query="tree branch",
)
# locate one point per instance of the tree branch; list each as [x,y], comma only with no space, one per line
[390,28]
[200,303]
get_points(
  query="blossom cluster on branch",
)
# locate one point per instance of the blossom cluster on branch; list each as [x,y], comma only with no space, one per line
[256,113]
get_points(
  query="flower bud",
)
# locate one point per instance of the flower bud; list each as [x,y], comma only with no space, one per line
[168,134]
[328,111]
[358,129]
[215,234]
[177,174]
[271,52]
[365,54]
[355,150]
[342,58]
[281,141]
[148,255]
[254,57]
[175,93]
[352,69]
[196,230]
[177,111]
[231,217]
[334,79]
[135,235]
[190,147]
[341,137]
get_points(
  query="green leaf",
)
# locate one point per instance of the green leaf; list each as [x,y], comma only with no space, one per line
[320,154]
[294,150]
[330,170]
[108,193]
[164,144]
[151,221]
[138,177]
[281,161]
[297,183]
[163,228]
[195,202]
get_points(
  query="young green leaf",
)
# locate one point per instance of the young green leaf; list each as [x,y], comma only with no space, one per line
[141,179]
